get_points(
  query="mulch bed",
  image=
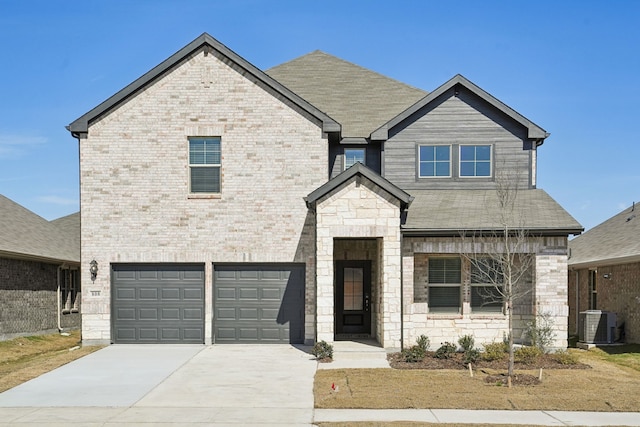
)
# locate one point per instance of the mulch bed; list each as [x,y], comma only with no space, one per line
[546,361]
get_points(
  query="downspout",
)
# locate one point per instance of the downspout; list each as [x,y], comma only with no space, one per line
[577,301]
[401,293]
[58,297]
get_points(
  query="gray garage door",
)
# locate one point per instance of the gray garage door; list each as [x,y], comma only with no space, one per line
[158,303]
[259,303]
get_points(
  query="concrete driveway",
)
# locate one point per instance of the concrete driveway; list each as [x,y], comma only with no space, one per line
[131,384]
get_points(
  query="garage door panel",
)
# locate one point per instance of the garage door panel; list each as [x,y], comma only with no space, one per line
[126,334]
[259,303]
[155,304]
[148,314]
[245,293]
[170,293]
[148,293]
[125,294]
[193,294]
[170,275]
[273,294]
[269,314]
[126,313]
[225,293]
[247,313]
[252,275]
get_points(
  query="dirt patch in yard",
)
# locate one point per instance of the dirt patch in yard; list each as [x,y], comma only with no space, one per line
[25,358]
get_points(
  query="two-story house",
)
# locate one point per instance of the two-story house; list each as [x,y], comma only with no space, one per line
[315,201]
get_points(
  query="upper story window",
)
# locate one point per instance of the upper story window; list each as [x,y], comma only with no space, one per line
[445,280]
[434,161]
[354,155]
[475,160]
[204,165]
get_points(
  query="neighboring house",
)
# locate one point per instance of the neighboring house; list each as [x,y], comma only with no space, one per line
[39,280]
[604,274]
[309,202]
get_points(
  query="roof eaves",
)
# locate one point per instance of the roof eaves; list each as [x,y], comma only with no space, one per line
[448,232]
[534,131]
[81,125]
[601,262]
[37,258]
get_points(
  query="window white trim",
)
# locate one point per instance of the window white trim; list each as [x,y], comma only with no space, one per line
[475,161]
[208,159]
[435,161]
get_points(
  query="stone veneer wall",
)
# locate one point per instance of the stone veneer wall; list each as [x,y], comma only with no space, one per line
[619,294]
[136,203]
[548,296]
[360,209]
[28,299]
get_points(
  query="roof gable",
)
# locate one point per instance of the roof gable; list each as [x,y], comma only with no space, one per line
[615,241]
[209,45]
[359,99]
[533,131]
[358,170]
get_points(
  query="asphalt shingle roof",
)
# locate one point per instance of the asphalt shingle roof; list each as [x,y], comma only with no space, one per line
[613,241]
[451,211]
[359,99]
[25,234]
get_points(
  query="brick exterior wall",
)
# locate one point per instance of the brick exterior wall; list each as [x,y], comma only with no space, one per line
[136,205]
[549,294]
[619,294]
[28,306]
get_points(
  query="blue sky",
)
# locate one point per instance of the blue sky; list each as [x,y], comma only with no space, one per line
[571,67]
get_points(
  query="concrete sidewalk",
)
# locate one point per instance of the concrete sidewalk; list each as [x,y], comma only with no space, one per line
[456,416]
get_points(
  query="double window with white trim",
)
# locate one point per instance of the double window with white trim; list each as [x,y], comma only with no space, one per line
[436,161]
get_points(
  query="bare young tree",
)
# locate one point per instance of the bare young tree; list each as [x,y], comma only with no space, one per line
[501,259]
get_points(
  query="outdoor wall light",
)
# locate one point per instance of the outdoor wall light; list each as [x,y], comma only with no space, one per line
[93,269]
[607,276]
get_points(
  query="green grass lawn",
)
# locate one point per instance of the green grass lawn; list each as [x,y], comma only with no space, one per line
[624,355]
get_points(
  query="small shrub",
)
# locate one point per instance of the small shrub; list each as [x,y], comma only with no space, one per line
[495,351]
[446,351]
[527,354]
[322,350]
[466,342]
[541,331]
[414,354]
[565,358]
[471,356]
[424,342]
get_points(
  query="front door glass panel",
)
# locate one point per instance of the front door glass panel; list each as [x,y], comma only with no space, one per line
[353,289]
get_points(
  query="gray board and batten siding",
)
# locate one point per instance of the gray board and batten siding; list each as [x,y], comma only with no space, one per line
[259,303]
[457,117]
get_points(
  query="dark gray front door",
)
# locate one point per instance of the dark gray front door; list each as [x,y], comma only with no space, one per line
[259,303]
[353,297]
[160,303]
